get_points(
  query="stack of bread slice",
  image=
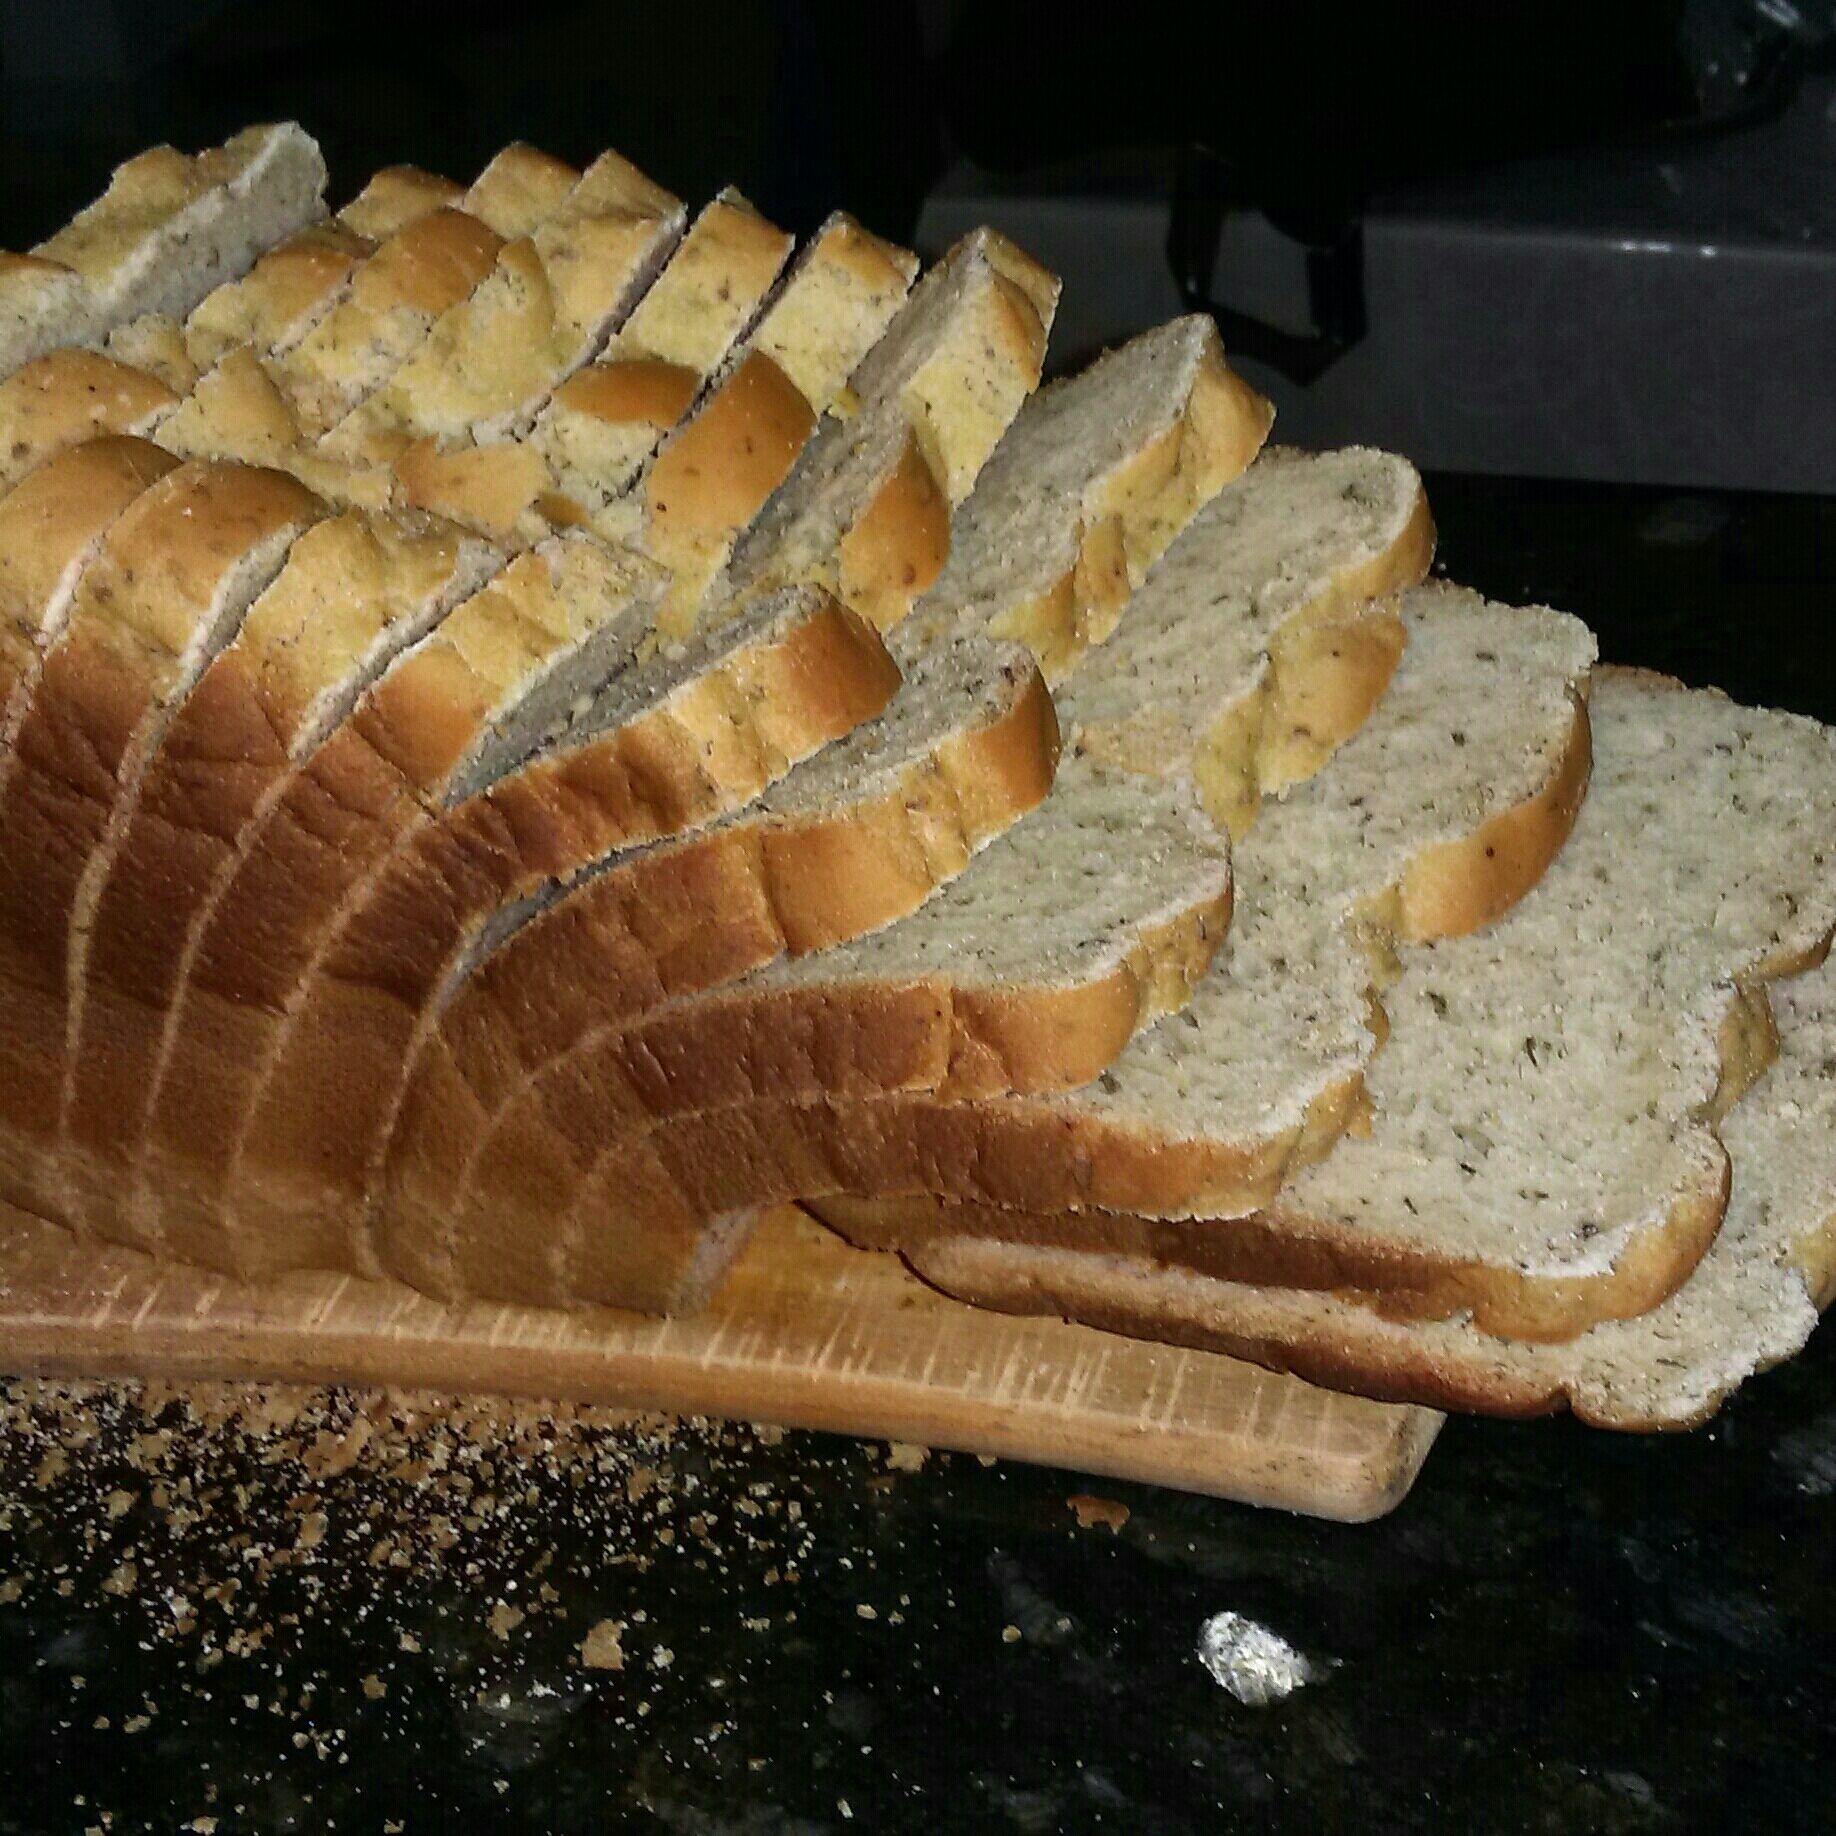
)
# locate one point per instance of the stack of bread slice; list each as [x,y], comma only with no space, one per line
[535,723]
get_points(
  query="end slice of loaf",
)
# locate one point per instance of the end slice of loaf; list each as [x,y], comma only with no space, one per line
[168,229]
[1751,1302]
[1095,477]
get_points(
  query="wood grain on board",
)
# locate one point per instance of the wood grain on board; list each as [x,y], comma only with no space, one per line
[805,1332]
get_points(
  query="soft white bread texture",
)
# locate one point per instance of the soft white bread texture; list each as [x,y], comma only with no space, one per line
[169,229]
[1541,1150]
[1095,477]
[356,590]
[860,835]
[166,590]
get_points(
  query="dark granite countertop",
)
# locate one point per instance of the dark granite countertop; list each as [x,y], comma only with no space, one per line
[1558,1630]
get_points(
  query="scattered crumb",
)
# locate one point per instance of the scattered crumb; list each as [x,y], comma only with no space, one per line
[906,1456]
[601,1649]
[505,1619]
[1010,1635]
[1092,1511]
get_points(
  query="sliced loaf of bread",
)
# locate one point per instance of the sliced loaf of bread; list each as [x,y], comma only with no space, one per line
[356,591]
[672,744]
[1095,477]
[166,589]
[544,630]
[979,990]
[169,229]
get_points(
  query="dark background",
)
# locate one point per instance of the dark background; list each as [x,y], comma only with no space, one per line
[807,106]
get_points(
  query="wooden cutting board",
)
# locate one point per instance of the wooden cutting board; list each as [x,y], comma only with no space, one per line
[805,1332]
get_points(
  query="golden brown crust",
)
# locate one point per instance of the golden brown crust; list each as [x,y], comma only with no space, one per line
[49,522]
[642,389]
[138,607]
[495,489]
[395,197]
[898,545]
[68,396]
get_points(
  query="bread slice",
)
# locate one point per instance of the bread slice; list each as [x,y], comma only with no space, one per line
[394,299]
[1750,1302]
[51,525]
[840,298]
[1095,477]
[865,511]
[170,582]
[520,189]
[606,421]
[964,353]
[490,364]
[1541,1151]
[397,196]
[168,229]
[279,300]
[355,591]
[860,835]
[1407,831]
[59,400]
